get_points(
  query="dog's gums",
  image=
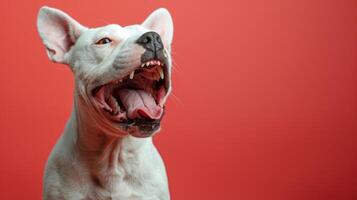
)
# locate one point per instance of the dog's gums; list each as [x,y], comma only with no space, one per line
[137,98]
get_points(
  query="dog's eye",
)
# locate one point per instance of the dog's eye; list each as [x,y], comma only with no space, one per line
[103,41]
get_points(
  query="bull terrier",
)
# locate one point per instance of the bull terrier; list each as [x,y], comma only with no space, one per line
[122,80]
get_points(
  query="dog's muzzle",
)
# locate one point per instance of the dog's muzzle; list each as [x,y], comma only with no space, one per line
[136,101]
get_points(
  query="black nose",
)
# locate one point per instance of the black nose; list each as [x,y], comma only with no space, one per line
[151,41]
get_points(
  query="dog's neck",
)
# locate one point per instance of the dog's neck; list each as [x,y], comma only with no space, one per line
[107,156]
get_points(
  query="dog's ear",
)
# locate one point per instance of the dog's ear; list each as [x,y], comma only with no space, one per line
[160,21]
[58,32]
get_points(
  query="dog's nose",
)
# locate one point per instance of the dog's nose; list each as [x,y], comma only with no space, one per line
[151,41]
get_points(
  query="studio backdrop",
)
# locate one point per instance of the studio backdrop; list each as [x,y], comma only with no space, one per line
[264,102]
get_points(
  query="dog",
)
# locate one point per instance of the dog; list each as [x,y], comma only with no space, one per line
[122,81]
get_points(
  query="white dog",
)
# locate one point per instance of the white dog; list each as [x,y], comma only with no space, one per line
[122,79]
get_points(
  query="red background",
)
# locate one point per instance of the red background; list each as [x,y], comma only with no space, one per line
[264,103]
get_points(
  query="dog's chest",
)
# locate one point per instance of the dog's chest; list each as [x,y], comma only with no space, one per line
[133,173]
[127,188]
[133,180]
[125,191]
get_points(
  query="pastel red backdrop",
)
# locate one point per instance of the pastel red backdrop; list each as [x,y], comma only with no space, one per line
[264,105]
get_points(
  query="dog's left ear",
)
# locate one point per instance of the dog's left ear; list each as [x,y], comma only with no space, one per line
[58,31]
[160,21]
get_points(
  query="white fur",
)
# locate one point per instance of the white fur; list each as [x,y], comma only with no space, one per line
[94,159]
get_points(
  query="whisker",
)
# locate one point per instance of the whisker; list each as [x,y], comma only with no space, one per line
[176,99]
[176,66]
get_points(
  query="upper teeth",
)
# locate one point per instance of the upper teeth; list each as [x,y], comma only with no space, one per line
[161,73]
[152,63]
[132,74]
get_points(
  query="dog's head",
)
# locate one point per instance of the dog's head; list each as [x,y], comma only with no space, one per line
[122,74]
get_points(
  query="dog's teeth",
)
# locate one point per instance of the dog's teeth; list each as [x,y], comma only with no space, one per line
[121,80]
[132,74]
[143,65]
[147,64]
[161,73]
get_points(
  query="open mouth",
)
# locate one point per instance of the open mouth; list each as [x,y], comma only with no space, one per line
[136,100]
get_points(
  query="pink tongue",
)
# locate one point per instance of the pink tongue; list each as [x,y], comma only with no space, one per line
[140,104]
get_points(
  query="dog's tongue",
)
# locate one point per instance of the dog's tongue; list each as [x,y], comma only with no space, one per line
[140,104]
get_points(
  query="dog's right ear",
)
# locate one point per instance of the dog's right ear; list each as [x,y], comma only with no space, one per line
[58,32]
